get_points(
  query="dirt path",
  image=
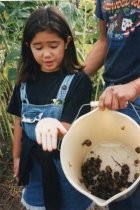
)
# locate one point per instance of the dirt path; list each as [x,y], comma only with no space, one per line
[10,193]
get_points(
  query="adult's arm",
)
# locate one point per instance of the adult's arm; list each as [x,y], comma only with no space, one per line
[95,58]
[116,97]
[136,85]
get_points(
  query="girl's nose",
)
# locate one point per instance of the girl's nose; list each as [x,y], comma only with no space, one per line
[46,53]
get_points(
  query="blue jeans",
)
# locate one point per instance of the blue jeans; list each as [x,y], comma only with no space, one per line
[133,110]
[132,202]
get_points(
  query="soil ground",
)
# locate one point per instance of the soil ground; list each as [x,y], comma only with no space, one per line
[10,193]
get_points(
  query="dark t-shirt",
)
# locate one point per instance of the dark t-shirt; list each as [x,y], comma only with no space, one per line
[46,88]
[122,62]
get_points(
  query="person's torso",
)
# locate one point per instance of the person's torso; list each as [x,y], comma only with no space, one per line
[32,113]
[122,17]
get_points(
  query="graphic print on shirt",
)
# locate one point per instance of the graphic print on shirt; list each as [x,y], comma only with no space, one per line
[122,17]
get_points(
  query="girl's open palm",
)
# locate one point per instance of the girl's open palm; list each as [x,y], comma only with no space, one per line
[47,131]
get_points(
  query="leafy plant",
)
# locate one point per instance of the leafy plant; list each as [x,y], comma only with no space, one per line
[13,15]
[6,121]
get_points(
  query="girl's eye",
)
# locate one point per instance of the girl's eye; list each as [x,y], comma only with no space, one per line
[54,46]
[38,48]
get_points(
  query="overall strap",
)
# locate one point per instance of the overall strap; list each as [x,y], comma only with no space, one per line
[23,94]
[63,90]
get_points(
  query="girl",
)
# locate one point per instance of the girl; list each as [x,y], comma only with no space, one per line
[50,90]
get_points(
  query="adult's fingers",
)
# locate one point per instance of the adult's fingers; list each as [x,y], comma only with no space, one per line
[105,100]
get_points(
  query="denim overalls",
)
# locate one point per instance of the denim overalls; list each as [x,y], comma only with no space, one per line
[32,196]
[133,110]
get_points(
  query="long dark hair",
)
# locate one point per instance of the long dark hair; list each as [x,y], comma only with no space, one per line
[45,19]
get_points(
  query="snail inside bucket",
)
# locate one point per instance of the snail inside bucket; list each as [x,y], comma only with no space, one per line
[102,147]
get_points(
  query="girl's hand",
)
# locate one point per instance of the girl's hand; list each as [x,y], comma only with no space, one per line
[117,97]
[16,168]
[47,131]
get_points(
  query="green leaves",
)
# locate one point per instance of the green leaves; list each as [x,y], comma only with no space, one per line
[2,7]
[12,74]
[13,15]
[71,12]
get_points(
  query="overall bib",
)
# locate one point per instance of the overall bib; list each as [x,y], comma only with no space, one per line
[32,197]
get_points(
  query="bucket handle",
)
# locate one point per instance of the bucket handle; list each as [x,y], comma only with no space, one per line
[135,110]
[92,104]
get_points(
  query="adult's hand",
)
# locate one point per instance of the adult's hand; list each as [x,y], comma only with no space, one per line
[117,96]
[47,132]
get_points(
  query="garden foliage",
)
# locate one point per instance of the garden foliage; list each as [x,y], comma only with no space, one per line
[13,14]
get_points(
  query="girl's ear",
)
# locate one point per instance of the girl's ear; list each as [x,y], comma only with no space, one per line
[69,38]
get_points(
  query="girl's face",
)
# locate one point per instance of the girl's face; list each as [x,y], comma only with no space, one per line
[48,50]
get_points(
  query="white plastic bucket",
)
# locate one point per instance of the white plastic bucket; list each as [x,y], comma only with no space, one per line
[111,134]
